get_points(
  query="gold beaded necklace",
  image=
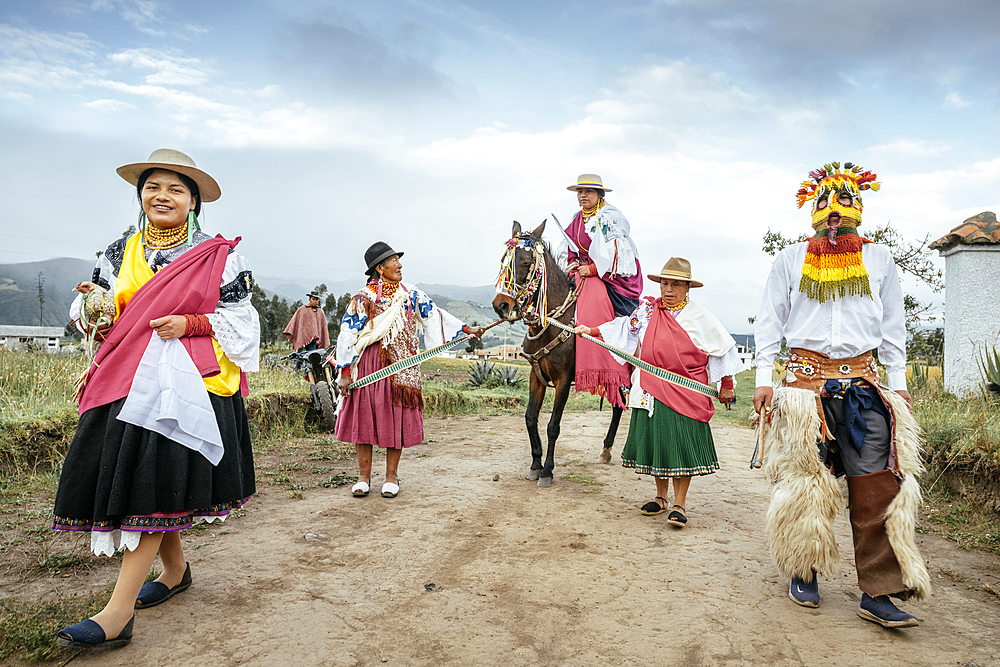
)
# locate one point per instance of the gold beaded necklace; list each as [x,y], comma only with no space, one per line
[591,212]
[157,238]
[677,307]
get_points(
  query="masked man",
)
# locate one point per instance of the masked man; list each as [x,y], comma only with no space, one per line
[835,299]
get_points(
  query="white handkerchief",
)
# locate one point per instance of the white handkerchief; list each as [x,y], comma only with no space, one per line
[169,397]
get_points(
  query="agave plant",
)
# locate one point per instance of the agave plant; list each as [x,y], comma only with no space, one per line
[920,377]
[480,372]
[989,368]
[509,376]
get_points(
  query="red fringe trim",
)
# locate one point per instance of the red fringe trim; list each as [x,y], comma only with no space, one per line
[408,397]
[604,383]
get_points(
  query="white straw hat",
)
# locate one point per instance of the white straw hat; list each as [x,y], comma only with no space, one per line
[171,160]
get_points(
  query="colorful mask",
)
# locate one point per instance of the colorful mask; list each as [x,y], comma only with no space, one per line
[833,265]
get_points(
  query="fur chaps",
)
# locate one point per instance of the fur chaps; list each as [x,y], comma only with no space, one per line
[806,497]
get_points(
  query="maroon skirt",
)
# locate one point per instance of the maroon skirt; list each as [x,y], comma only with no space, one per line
[368,416]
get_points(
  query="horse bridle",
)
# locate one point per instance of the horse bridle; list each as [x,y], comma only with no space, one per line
[523,293]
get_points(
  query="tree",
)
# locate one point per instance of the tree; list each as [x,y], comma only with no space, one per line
[926,345]
[274,315]
[909,258]
[335,307]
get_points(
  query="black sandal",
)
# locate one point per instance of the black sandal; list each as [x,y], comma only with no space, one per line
[653,507]
[676,518]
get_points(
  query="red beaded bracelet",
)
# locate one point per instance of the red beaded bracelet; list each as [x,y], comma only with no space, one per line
[727,382]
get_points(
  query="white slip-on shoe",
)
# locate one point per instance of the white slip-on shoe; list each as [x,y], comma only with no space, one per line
[360,490]
[390,490]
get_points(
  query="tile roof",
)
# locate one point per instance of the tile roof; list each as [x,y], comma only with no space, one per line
[977,230]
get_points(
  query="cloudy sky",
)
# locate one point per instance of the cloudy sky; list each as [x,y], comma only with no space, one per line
[433,125]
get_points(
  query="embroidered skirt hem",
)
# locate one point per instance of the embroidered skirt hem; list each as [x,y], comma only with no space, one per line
[119,476]
[668,444]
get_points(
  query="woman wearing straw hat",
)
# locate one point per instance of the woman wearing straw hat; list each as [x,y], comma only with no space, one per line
[606,260]
[377,330]
[162,440]
[669,436]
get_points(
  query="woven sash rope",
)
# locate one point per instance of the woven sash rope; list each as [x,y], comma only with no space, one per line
[668,376]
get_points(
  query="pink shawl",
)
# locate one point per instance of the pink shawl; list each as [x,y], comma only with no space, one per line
[189,285]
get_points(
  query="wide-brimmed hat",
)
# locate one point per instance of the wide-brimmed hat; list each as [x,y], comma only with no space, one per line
[591,181]
[378,253]
[171,160]
[676,268]
[312,294]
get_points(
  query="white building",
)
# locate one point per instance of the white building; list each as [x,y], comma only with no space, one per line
[13,336]
[972,300]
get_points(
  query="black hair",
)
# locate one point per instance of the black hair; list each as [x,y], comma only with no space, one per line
[190,184]
[600,192]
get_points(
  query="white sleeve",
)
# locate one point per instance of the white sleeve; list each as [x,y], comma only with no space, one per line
[625,332]
[439,325]
[771,318]
[235,322]
[728,364]
[351,324]
[892,350]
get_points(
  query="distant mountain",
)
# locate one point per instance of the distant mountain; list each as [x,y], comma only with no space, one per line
[19,295]
[19,290]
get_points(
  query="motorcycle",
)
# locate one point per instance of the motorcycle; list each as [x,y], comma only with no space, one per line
[320,373]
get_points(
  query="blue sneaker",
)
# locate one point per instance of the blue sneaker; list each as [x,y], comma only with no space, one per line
[885,613]
[804,593]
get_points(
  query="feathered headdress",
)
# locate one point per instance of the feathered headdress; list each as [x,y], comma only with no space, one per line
[830,178]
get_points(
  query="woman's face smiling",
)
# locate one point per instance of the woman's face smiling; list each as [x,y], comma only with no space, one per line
[166,200]
[391,270]
[587,197]
[673,292]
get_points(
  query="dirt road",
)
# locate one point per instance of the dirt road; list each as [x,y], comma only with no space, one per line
[570,575]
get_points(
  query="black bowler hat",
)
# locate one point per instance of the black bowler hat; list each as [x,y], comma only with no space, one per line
[378,253]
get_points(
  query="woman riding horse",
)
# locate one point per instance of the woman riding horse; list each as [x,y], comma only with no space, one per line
[607,261]
[533,287]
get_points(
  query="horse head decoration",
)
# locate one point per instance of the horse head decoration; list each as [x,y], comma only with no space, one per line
[522,286]
[529,281]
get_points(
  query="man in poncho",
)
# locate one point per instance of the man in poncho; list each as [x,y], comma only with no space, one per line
[307,328]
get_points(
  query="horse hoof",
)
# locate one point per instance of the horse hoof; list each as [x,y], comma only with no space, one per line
[545,481]
[605,455]
[533,474]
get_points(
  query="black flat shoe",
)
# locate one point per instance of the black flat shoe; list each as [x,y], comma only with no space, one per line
[676,518]
[653,507]
[89,634]
[155,593]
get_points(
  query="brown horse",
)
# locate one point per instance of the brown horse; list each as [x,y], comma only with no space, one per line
[552,352]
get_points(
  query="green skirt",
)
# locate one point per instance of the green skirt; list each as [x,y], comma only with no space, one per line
[668,444]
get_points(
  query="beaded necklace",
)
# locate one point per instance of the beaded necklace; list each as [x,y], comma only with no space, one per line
[677,307]
[387,290]
[164,239]
[591,212]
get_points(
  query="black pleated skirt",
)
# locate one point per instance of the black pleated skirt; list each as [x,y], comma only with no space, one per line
[121,476]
